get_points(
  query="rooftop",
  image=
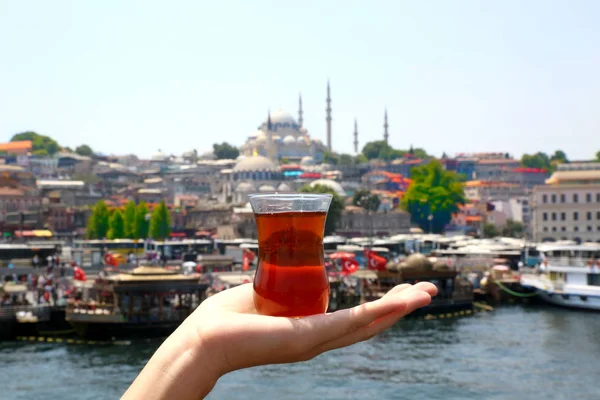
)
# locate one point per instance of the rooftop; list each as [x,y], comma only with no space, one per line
[19,146]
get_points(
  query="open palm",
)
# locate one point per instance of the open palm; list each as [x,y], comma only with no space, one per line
[238,337]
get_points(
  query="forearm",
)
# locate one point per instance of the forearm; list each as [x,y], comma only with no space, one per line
[180,369]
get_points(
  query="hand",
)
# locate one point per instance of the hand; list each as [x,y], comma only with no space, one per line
[239,338]
[225,333]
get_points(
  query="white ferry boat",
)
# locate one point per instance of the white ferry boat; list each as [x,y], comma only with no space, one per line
[567,275]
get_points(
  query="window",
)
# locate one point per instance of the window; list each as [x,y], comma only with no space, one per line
[553,216]
[575,198]
[598,228]
[576,229]
[545,216]
[545,229]
[588,197]
[563,216]
[563,198]
[553,198]
[545,198]
[553,229]
[563,229]
[598,215]
[575,216]
[589,228]
[597,197]
[589,215]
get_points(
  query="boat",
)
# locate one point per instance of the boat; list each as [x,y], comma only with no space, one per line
[143,302]
[567,275]
[18,317]
[455,293]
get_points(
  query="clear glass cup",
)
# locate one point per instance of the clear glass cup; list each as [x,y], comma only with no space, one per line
[290,279]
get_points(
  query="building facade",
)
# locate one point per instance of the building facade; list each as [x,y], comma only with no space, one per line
[567,207]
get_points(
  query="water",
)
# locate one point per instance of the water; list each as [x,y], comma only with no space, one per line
[513,352]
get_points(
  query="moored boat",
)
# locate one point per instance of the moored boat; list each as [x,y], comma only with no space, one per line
[143,302]
[567,275]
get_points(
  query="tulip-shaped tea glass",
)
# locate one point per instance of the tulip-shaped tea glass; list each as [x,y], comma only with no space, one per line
[290,279]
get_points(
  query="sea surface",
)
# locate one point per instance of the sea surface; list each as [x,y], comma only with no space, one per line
[523,352]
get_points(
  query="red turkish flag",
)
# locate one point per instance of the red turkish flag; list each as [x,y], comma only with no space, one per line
[349,266]
[247,258]
[79,274]
[109,259]
[375,261]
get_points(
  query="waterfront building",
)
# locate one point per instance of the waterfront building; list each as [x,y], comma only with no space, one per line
[486,191]
[567,207]
[356,222]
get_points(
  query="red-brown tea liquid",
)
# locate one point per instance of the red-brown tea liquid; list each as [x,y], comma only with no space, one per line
[290,280]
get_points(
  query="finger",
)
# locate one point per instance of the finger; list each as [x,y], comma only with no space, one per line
[398,289]
[414,300]
[426,287]
[317,329]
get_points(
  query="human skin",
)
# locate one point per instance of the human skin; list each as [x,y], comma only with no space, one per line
[225,333]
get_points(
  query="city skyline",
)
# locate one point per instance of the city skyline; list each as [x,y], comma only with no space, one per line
[468,78]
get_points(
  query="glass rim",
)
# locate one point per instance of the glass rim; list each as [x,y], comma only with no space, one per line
[291,196]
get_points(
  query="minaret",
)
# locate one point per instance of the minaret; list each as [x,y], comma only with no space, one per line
[328,118]
[300,112]
[385,128]
[270,146]
[355,136]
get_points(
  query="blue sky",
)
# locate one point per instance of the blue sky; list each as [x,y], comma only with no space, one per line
[127,76]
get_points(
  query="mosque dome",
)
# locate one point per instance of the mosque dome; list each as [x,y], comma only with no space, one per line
[307,160]
[301,140]
[282,117]
[266,188]
[336,187]
[245,187]
[255,134]
[240,157]
[276,138]
[283,187]
[159,156]
[289,140]
[209,155]
[254,163]
[261,137]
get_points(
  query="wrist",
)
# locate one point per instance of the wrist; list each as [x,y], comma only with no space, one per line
[181,368]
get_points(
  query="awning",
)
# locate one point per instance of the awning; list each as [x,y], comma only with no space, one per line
[34,233]
[203,233]
[177,234]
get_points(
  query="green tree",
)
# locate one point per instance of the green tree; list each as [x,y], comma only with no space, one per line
[39,142]
[330,158]
[377,149]
[160,223]
[141,225]
[346,159]
[225,151]
[433,191]
[117,226]
[40,152]
[598,156]
[84,150]
[335,209]
[537,160]
[559,156]
[129,220]
[360,159]
[490,230]
[98,223]
[284,161]
[513,229]
[367,200]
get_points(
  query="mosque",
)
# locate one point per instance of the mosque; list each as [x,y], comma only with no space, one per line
[280,136]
